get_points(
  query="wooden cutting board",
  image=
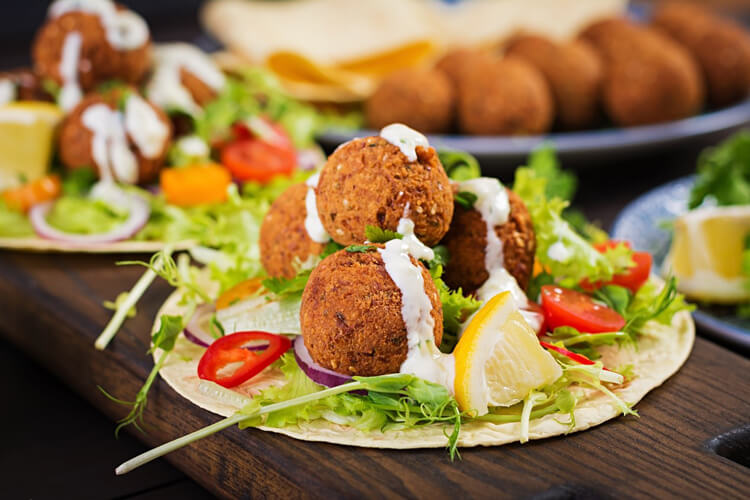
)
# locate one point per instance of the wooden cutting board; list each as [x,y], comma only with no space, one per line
[50,307]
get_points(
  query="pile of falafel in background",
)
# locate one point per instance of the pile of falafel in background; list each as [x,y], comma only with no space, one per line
[616,72]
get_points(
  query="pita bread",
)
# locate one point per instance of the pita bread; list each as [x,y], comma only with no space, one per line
[661,352]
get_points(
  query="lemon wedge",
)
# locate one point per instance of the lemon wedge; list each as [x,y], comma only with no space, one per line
[499,360]
[27,132]
[706,253]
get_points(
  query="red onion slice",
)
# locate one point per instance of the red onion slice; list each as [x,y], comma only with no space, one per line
[139,212]
[198,329]
[317,373]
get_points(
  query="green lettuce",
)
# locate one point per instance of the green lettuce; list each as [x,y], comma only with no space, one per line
[724,173]
[14,224]
[81,215]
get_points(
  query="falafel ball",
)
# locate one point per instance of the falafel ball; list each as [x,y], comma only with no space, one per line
[504,97]
[649,78]
[420,98]
[721,47]
[574,73]
[76,139]
[284,241]
[351,316]
[26,85]
[467,239]
[369,181]
[453,63]
[96,60]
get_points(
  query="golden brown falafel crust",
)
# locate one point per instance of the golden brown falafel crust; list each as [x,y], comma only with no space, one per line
[648,77]
[284,241]
[202,94]
[504,97]
[454,63]
[369,182]
[574,73]
[420,98]
[721,47]
[467,239]
[98,61]
[351,314]
[74,139]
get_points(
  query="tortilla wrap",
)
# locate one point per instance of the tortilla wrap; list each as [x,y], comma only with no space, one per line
[662,350]
[33,244]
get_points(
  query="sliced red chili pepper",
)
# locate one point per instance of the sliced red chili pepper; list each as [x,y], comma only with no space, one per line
[229,350]
[578,358]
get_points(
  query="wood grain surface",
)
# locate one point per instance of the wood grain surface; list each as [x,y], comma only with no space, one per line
[662,454]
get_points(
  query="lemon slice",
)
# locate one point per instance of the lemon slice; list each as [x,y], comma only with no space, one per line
[706,253]
[499,359]
[27,131]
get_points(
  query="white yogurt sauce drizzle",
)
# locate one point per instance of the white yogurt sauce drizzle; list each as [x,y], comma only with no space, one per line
[7,91]
[314,227]
[109,144]
[423,359]
[124,29]
[193,146]
[493,204]
[70,92]
[147,130]
[404,138]
[165,87]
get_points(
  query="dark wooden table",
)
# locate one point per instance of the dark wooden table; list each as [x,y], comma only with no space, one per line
[54,444]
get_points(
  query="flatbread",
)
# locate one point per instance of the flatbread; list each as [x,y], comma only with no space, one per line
[661,352]
[34,244]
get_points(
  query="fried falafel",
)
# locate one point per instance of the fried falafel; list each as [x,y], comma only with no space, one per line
[420,98]
[649,78]
[84,44]
[504,97]
[454,63]
[466,242]
[285,244]
[370,181]
[120,133]
[721,47]
[351,316]
[574,73]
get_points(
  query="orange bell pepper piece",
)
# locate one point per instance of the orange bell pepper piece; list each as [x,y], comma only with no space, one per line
[195,184]
[24,197]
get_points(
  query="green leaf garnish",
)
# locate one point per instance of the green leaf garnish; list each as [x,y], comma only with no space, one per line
[376,234]
[360,248]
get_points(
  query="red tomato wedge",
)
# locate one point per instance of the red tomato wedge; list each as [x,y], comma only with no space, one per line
[256,160]
[215,363]
[633,278]
[565,307]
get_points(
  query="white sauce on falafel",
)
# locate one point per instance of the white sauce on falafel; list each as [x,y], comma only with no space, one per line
[70,92]
[124,29]
[313,226]
[423,358]
[404,138]
[165,87]
[109,144]
[494,206]
[149,133]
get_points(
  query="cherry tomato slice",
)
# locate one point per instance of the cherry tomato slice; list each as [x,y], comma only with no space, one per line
[259,127]
[564,307]
[256,160]
[228,350]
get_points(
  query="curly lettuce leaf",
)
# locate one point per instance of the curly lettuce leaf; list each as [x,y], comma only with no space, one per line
[563,252]
[78,215]
[724,173]
[459,165]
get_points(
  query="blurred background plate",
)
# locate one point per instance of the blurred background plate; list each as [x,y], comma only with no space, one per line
[644,223]
[592,148]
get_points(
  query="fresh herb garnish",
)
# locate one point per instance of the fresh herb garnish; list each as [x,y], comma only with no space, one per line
[287,286]
[724,173]
[459,165]
[360,248]
[375,234]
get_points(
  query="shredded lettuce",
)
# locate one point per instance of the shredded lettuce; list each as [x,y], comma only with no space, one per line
[724,173]
[14,224]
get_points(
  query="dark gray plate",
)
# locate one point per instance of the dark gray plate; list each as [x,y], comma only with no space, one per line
[500,155]
[642,224]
